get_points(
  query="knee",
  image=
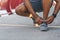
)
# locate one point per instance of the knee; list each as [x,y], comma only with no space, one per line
[18,11]
[58,1]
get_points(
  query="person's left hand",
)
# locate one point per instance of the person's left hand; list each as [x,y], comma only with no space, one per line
[50,19]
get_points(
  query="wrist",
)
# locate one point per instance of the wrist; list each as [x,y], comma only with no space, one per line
[54,15]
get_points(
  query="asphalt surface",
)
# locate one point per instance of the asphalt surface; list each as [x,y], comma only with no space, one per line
[28,33]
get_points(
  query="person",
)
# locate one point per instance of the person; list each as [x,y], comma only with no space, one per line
[11,4]
[29,8]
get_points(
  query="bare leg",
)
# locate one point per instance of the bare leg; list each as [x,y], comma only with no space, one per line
[22,10]
[46,8]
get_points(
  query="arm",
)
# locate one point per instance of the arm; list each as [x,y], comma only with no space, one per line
[56,10]
[30,9]
[57,7]
[29,6]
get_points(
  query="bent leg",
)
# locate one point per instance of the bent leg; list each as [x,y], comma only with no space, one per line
[46,8]
[22,10]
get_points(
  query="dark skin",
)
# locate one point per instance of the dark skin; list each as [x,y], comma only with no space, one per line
[26,9]
[56,10]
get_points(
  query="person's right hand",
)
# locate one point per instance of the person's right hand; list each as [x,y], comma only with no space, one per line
[38,20]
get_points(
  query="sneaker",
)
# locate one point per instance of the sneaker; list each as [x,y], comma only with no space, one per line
[44,26]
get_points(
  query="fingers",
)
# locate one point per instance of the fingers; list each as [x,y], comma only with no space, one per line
[40,20]
[50,20]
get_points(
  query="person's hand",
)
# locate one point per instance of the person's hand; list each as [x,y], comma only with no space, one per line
[39,20]
[50,19]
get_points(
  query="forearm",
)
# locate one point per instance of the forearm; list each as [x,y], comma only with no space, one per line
[57,7]
[56,10]
[29,7]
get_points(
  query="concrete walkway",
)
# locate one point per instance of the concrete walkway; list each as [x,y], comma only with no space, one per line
[28,33]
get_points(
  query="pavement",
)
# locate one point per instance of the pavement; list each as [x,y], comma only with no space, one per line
[28,32]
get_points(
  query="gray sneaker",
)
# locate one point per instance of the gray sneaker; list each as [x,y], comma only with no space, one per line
[44,26]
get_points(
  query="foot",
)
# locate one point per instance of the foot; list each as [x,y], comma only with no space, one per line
[44,26]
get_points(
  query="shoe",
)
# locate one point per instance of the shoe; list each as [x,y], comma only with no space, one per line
[44,26]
